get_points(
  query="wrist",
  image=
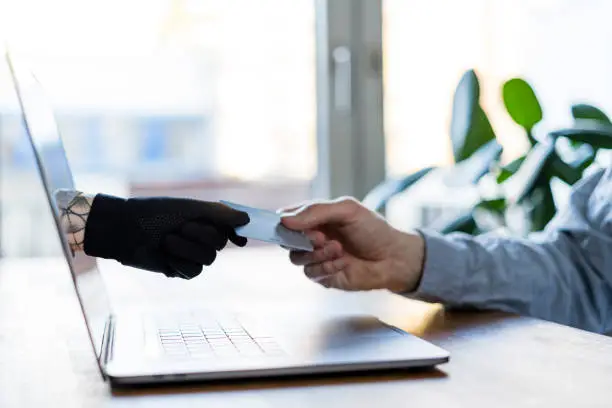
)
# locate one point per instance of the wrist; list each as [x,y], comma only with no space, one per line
[106,229]
[74,208]
[409,259]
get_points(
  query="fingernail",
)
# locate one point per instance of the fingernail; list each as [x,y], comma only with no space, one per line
[320,278]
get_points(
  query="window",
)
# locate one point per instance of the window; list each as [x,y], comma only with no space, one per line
[557,45]
[202,98]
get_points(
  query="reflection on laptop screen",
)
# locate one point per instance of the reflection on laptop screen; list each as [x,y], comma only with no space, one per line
[55,172]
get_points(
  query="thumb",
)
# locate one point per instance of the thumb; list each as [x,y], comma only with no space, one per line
[317,215]
[227,216]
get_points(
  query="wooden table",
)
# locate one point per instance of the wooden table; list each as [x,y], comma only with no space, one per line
[497,360]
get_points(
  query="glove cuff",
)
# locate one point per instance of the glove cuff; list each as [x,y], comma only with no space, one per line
[106,231]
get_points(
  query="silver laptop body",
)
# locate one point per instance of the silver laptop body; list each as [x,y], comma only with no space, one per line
[134,348]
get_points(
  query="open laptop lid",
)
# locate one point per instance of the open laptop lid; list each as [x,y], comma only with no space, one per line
[56,175]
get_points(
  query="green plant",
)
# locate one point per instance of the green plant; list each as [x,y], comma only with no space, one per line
[523,186]
[470,128]
[522,105]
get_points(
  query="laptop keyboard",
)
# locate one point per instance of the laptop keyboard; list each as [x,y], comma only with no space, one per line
[213,339]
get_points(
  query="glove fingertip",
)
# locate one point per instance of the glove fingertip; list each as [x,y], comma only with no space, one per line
[241,218]
[185,269]
[239,241]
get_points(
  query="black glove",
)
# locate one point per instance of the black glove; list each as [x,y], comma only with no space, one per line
[174,236]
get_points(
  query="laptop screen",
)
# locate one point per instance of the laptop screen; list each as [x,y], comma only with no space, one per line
[56,175]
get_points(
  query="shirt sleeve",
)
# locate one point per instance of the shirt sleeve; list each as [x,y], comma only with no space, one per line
[563,274]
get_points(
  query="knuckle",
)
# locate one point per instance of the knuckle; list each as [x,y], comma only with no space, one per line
[347,201]
[350,205]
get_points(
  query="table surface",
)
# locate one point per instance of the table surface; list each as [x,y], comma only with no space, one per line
[497,359]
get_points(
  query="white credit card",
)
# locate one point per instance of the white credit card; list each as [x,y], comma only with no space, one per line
[265,225]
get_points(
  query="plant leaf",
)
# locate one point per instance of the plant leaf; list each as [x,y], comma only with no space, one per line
[463,223]
[528,176]
[470,127]
[543,206]
[521,103]
[584,111]
[497,205]
[593,132]
[508,170]
[564,171]
[585,163]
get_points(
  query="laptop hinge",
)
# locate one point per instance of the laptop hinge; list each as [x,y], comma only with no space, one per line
[106,352]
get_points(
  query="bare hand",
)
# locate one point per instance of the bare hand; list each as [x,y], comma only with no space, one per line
[355,248]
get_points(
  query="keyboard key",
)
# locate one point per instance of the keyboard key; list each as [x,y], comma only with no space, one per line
[207,338]
[219,345]
[171,335]
[242,340]
[193,336]
[172,341]
[243,334]
[236,332]
[208,333]
[216,340]
[166,330]
[239,336]
[216,336]
[197,344]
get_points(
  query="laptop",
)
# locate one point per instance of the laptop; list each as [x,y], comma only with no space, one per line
[157,346]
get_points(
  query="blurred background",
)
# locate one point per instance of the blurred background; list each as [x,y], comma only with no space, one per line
[273,102]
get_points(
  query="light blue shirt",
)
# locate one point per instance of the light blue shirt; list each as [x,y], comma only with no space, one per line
[563,274]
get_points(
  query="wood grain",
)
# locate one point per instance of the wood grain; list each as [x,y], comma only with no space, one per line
[498,360]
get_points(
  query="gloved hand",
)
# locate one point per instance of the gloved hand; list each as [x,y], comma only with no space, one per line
[174,236]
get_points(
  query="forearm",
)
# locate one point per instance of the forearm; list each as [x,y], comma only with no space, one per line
[92,223]
[75,208]
[550,278]
[173,236]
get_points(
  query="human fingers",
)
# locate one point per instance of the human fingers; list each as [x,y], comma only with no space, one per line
[332,250]
[315,216]
[321,270]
